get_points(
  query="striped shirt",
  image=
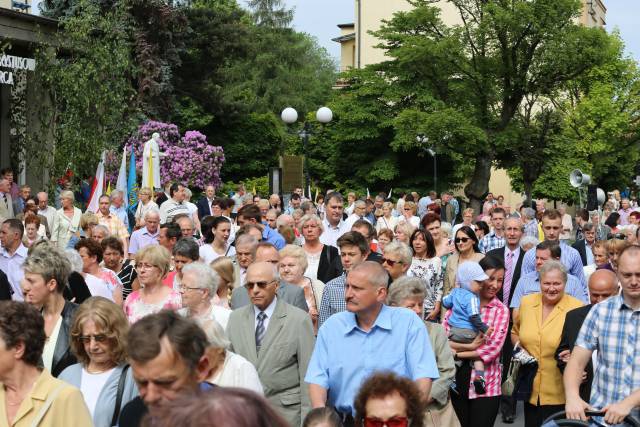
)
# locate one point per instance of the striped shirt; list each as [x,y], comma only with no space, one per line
[530,284]
[127,275]
[496,315]
[531,228]
[491,241]
[612,328]
[333,298]
[568,256]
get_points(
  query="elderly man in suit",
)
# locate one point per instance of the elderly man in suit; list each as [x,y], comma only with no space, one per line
[6,202]
[278,339]
[602,285]
[583,246]
[291,294]
[511,256]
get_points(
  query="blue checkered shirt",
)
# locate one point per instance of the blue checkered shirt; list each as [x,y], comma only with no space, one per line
[490,242]
[569,257]
[333,298]
[531,228]
[612,328]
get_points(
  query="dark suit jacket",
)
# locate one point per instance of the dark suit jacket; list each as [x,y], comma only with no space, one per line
[5,287]
[291,294]
[204,208]
[499,254]
[580,246]
[62,356]
[572,323]
[327,268]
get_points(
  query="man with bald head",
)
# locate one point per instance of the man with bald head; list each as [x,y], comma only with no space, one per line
[266,252]
[277,338]
[370,336]
[602,285]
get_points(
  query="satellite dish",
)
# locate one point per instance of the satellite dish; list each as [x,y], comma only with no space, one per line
[601,196]
[578,179]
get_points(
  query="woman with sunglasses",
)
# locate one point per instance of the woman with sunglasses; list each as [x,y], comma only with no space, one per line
[427,266]
[98,338]
[466,244]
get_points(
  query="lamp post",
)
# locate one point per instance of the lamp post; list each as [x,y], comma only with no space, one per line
[423,140]
[289,115]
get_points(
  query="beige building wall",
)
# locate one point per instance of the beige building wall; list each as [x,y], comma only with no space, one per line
[594,14]
[17,5]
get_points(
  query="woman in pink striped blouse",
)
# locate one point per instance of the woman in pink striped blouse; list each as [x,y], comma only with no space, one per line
[482,410]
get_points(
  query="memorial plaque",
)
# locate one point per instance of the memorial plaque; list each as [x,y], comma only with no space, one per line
[292,172]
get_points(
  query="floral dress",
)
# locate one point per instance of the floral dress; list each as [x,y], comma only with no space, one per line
[431,272]
[135,309]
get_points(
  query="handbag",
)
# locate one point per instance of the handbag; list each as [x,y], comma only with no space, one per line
[511,381]
[443,417]
[120,392]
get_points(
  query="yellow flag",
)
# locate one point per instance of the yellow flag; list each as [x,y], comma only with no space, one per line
[108,193]
[254,190]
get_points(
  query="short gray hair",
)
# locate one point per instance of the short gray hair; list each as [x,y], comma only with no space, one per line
[401,249]
[311,217]
[552,265]
[531,241]
[207,277]
[376,275]
[247,239]
[406,287]
[359,204]
[529,213]
[49,262]
[104,228]
[215,335]
[152,211]
[116,193]
[74,259]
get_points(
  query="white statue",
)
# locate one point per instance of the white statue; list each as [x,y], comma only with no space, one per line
[151,162]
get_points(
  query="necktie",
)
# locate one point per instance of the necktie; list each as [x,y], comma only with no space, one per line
[508,275]
[260,330]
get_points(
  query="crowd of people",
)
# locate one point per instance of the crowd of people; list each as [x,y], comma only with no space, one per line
[327,312]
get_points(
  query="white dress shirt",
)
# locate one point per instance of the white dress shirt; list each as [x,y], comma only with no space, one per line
[268,311]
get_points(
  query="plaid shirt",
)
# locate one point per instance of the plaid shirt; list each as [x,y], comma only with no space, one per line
[531,228]
[114,224]
[333,298]
[612,329]
[490,242]
[496,315]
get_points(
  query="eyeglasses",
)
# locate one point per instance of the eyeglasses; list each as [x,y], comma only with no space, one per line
[187,288]
[391,422]
[144,266]
[462,239]
[261,285]
[390,262]
[407,209]
[85,339]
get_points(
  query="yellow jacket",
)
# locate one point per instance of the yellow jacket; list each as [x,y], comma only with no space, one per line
[541,340]
[67,409]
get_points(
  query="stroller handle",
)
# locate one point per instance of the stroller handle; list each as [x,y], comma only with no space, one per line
[558,417]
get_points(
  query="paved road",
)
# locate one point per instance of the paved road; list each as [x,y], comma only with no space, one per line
[519,418]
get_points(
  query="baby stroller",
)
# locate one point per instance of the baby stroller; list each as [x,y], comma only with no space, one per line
[558,420]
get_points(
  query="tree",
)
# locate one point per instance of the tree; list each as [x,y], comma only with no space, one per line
[271,13]
[482,70]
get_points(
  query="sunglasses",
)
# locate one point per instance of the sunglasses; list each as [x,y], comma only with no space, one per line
[390,262]
[85,339]
[391,422]
[261,285]
[462,239]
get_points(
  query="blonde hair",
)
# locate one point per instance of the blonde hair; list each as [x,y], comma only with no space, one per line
[410,205]
[67,194]
[145,191]
[108,317]
[87,219]
[296,252]
[224,267]
[156,255]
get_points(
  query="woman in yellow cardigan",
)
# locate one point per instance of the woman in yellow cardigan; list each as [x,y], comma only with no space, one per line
[30,396]
[538,328]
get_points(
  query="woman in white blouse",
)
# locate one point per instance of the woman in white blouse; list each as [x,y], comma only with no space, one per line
[387,220]
[145,204]
[229,369]
[408,215]
[216,239]
[67,221]
[198,286]
[427,266]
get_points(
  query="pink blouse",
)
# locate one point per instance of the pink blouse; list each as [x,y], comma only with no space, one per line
[136,309]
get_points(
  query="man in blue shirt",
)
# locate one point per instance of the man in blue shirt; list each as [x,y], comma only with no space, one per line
[250,214]
[367,338]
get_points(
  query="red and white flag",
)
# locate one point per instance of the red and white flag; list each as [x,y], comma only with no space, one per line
[97,189]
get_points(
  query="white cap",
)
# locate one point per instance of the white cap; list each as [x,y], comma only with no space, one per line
[468,271]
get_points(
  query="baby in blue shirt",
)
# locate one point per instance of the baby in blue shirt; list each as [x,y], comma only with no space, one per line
[465,322]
